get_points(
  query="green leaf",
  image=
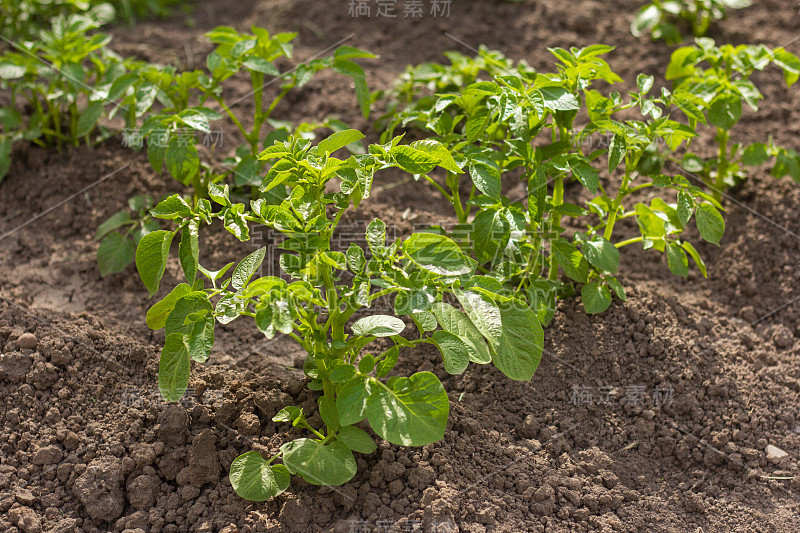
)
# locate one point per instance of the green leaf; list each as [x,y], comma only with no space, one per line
[512,329]
[616,151]
[645,83]
[725,111]
[386,364]
[366,364]
[357,439]
[182,160]
[342,373]
[602,255]
[254,479]
[338,140]
[755,154]
[596,298]
[438,255]
[571,260]
[559,99]
[790,64]
[701,265]
[156,151]
[518,350]
[351,402]
[438,152]
[247,267]
[378,326]
[412,160]
[376,237]
[457,323]
[192,317]
[617,287]
[174,367]
[5,156]
[646,19]
[685,207]
[327,410]
[486,177]
[151,258]
[490,234]
[220,194]
[585,173]
[259,64]
[710,223]
[89,118]
[156,317]
[195,119]
[483,312]
[189,250]
[330,464]
[291,414]
[454,352]
[677,260]
[173,207]
[115,253]
[476,124]
[355,258]
[409,411]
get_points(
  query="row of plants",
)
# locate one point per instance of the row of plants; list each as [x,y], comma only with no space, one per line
[523,124]
[76,90]
[478,291]
[22,20]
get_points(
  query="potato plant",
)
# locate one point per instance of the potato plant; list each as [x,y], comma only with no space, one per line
[172,110]
[192,100]
[316,303]
[512,126]
[665,19]
[415,89]
[24,19]
[717,79]
[64,78]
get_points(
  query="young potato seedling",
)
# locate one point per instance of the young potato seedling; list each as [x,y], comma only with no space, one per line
[663,19]
[422,276]
[526,128]
[64,78]
[716,80]
[192,100]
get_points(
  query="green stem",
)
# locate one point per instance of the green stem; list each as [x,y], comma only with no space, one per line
[439,188]
[558,199]
[722,167]
[629,241]
[621,194]
[455,197]
[233,117]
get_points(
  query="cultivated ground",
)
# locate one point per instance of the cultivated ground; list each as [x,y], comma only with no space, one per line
[658,415]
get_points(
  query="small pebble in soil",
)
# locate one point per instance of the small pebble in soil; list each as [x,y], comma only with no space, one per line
[27,341]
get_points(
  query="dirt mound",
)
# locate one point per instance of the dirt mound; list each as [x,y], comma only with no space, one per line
[655,415]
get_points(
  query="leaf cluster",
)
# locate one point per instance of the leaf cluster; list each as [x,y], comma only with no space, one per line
[514,126]
[316,301]
[667,19]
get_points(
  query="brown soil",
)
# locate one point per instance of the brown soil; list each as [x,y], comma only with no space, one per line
[654,416]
